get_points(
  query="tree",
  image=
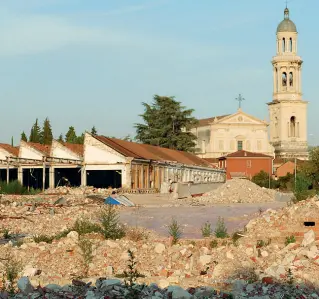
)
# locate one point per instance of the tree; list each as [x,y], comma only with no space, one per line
[46,133]
[167,124]
[70,136]
[262,179]
[80,139]
[35,133]
[60,139]
[12,141]
[93,131]
[24,137]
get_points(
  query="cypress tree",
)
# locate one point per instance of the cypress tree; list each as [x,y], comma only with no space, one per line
[46,133]
[61,138]
[93,131]
[35,134]
[70,136]
[24,137]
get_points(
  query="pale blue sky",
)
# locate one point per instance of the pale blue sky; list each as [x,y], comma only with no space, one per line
[86,63]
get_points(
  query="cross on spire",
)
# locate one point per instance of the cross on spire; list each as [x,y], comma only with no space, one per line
[240,99]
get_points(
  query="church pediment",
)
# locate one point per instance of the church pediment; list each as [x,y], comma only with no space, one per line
[241,117]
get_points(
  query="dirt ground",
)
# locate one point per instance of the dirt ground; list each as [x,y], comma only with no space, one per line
[155,212]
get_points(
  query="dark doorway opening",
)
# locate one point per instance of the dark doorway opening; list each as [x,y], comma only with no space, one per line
[13,174]
[32,178]
[104,178]
[67,177]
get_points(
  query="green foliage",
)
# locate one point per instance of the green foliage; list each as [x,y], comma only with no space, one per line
[86,248]
[12,267]
[206,230]
[24,137]
[290,239]
[46,133]
[60,139]
[70,136]
[6,234]
[221,229]
[83,226]
[262,243]
[167,124]
[111,227]
[35,134]
[302,186]
[12,141]
[80,139]
[93,131]
[43,238]
[213,243]
[130,277]
[262,179]
[15,187]
[175,231]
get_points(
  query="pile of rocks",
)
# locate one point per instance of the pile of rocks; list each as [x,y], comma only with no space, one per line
[239,191]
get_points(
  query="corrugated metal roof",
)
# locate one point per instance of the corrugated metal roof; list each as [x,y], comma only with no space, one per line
[151,152]
[10,149]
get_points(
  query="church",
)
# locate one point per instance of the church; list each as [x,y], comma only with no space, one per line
[285,135]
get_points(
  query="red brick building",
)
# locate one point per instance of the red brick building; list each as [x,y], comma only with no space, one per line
[245,164]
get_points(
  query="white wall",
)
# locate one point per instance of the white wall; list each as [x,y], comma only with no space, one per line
[60,151]
[28,152]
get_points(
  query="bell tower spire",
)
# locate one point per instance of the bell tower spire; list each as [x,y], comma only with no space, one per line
[288,111]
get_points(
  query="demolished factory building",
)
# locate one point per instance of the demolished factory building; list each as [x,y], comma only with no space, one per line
[102,162]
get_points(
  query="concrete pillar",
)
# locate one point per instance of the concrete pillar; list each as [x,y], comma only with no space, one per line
[43,176]
[83,176]
[127,176]
[20,175]
[51,177]
[8,172]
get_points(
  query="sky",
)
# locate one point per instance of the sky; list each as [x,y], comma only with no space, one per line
[83,63]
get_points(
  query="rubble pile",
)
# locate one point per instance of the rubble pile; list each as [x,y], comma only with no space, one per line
[114,288]
[238,191]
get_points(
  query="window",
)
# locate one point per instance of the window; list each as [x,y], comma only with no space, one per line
[284,79]
[291,79]
[290,44]
[248,163]
[239,145]
[284,45]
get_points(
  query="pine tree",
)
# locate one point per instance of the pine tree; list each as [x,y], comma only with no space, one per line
[93,131]
[35,134]
[70,136]
[80,139]
[12,141]
[167,124]
[24,137]
[46,133]
[61,138]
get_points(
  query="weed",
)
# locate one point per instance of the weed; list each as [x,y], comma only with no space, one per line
[83,226]
[86,253]
[206,230]
[43,238]
[260,210]
[262,243]
[131,276]
[221,229]
[290,277]
[111,228]
[213,243]
[235,237]
[136,234]
[15,187]
[290,239]
[6,234]
[175,231]
[12,267]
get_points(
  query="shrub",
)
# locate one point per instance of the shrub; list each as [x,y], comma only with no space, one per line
[83,226]
[302,185]
[43,238]
[86,253]
[206,230]
[136,234]
[262,179]
[15,187]
[175,231]
[213,243]
[6,234]
[12,267]
[235,237]
[221,230]
[290,239]
[111,228]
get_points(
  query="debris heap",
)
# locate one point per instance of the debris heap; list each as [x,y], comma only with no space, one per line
[239,191]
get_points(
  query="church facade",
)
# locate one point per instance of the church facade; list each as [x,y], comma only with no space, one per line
[285,136]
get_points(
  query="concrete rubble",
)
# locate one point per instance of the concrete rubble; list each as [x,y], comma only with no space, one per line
[262,254]
[238,191]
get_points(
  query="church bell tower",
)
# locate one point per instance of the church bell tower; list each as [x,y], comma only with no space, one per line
[288,111]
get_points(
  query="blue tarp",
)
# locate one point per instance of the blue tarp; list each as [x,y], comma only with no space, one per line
[111,201]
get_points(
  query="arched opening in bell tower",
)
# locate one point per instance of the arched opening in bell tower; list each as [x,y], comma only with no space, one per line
[291,79]
[284,79]
[283,45]
[293,126]
[290,44]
